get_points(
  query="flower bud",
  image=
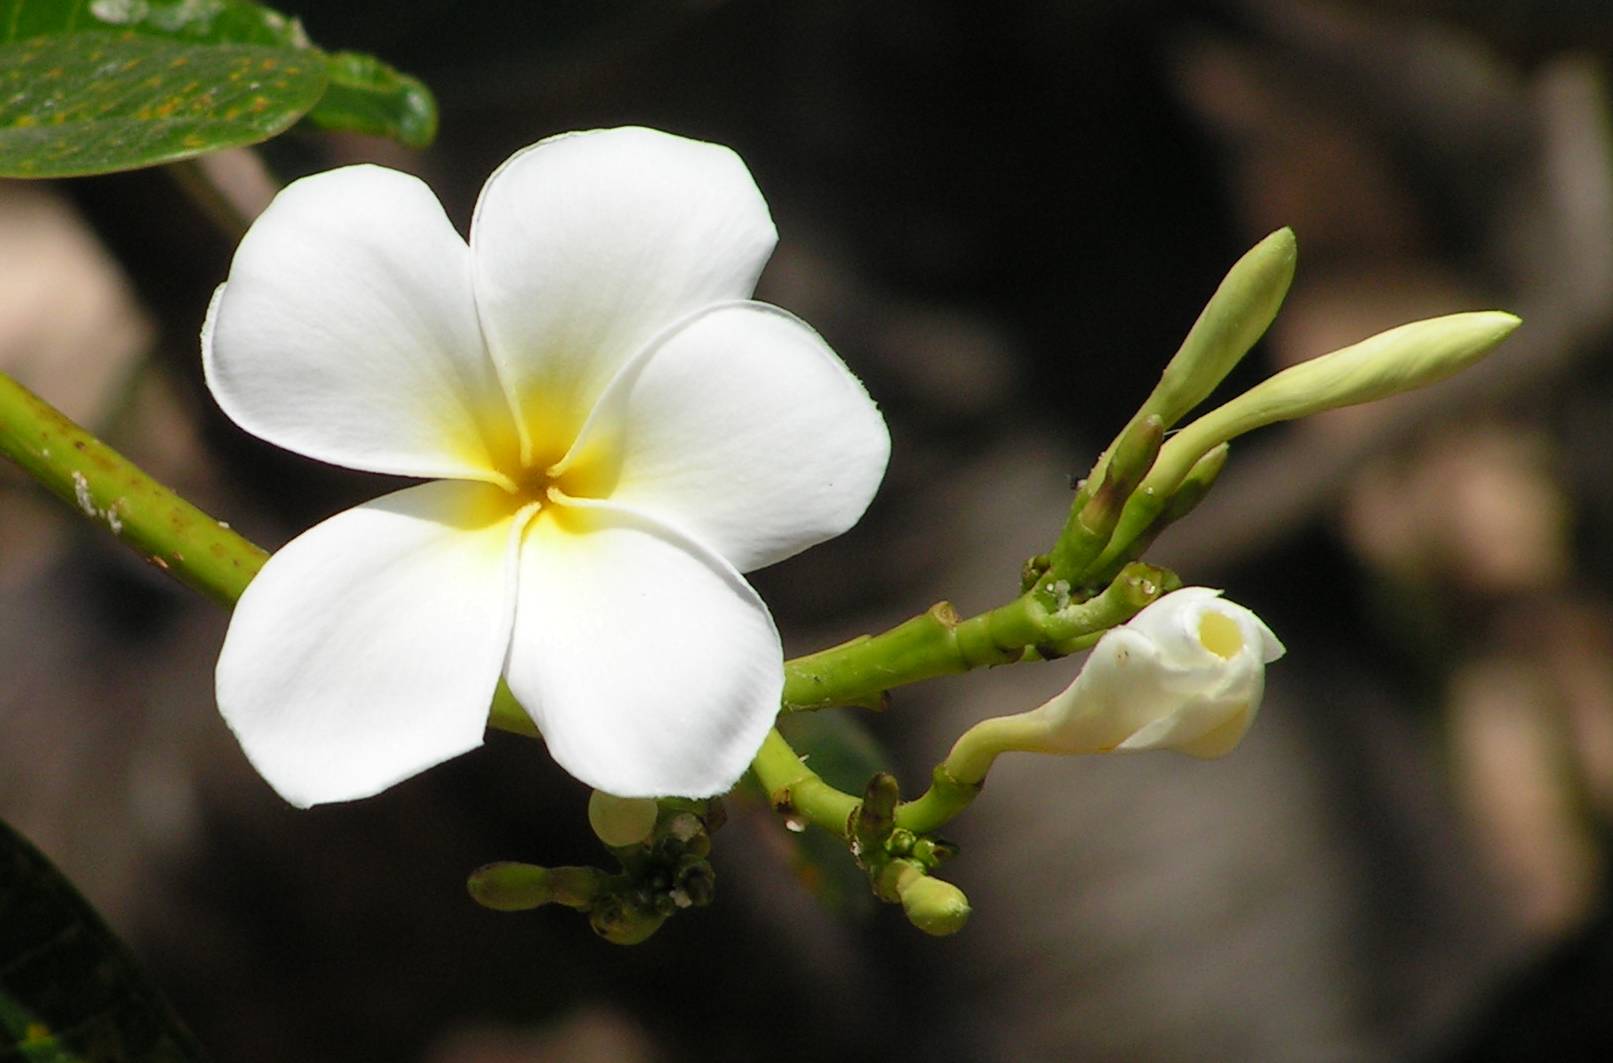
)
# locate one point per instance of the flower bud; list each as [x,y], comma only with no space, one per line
[1401,359]
[1186,674]
[508,886]
[1234,319]
[619,821]
[934,905]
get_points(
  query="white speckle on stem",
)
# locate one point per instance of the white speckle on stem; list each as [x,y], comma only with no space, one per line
[81,495]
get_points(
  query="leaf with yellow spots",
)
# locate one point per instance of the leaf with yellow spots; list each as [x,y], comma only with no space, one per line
[95,86]
[121,103]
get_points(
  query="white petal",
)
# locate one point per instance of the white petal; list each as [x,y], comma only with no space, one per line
[649,664]
[347,331]
[369,647]
[587,245]
[1173,622]
[743,428]
[1201,727]
[1117,692]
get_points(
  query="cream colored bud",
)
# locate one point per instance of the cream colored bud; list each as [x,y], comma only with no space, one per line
[1186,673]
[1402,359]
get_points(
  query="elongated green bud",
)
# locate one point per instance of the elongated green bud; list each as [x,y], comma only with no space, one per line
[509,886]
[1401,359]
[1236,316]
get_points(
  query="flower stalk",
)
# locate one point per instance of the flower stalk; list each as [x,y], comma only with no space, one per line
[108,489]
[207,556]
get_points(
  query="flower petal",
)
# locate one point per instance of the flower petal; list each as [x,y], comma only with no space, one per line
[1205,727]
[1175,621]
[587,245]
[347,331]
[743,428]
[369,647]
[649,664]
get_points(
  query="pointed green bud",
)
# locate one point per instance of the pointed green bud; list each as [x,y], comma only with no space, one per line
[1234,319]
[619,821]
[1401,359]
[1237,315]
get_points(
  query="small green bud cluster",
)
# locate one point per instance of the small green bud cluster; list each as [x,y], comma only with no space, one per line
[899,862]
[664,868]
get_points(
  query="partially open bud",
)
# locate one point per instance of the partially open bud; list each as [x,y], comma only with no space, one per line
[1186,673]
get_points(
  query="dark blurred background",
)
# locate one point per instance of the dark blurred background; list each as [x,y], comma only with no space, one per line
[1004,217]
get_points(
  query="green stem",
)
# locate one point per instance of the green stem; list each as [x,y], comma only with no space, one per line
[937,642]
[941,803]
[205,554]
[112,491]
[793,787]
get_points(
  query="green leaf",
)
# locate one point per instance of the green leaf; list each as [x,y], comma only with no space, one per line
[69,991]
[364,95]
[88,103]
[196,21]
[93,86]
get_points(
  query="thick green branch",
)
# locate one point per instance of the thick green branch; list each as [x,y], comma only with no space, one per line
[938,643]
[108,489]
[793,787]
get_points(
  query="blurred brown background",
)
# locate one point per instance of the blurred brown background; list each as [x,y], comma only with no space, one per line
[1004,217]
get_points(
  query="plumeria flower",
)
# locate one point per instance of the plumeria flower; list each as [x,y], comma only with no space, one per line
[611,432]
[1186,673]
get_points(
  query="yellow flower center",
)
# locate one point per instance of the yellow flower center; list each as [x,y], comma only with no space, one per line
[1220,635]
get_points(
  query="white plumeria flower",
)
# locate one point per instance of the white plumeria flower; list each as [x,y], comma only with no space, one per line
[1186,673]
[613,431]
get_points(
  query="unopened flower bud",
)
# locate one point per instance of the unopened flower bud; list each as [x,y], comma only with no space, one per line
[934,905]
[1186,673]
[509,886]
[1401,359]
[619,821]
[1234,319]
[1236,316]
